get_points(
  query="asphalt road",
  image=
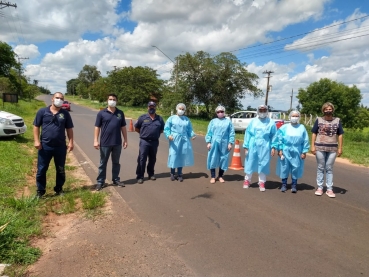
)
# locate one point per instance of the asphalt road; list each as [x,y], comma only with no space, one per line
[225,230]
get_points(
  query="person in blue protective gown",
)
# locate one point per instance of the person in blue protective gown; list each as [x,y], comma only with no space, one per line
[258,140]
[219,138]
[292,142]
[178,130]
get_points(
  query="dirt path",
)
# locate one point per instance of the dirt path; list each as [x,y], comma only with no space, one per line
[116,244]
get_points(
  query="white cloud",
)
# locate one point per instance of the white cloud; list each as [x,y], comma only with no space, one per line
[175,27]
[29,51]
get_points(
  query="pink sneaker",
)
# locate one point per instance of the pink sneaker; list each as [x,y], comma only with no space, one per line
[330,193]
[319,192]
[246,184]
[262,186]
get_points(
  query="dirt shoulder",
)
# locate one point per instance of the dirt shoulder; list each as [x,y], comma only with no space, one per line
[115,244]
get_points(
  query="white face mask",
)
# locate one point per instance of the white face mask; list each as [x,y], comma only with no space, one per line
[112,103]
[180,112]
[295,119]
[263,115]
[58,102]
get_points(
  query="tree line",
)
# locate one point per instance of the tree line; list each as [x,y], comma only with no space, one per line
[197,80]
[12,79]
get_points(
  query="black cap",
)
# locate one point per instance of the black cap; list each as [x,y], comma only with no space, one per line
[151,103]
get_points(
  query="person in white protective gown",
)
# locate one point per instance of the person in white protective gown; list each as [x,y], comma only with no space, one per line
[292,142]
[257,143]
[178,130]
[219,139]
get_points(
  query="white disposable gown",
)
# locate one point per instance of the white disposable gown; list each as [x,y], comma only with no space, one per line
[293,140]
[220,133]
[258,140]
[180,148]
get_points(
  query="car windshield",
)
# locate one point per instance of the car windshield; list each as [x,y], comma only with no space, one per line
[65,102]
[276,115]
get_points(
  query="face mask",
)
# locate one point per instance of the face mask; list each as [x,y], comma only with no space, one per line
[328,113]
[112,103]
[152,111]
[180,112]
[295,119]
[220,115]
[58,102]
[263,115]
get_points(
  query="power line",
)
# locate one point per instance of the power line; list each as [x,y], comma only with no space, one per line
[4,5]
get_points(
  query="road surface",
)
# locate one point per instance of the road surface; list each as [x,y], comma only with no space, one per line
[225,230]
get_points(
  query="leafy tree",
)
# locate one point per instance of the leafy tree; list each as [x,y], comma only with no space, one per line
[345,99]
[44,90]
[100,90]
[7,59]
[89,75]
[210,81]
[135,86]
[249,108]
[72,86]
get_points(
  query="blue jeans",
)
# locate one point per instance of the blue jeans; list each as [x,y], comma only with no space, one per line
[104,158]
[325,162]
[179,170]
[212,172]
[45,155]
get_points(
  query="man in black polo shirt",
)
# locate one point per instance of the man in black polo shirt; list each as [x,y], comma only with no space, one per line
[149,126]
[111,123]
[54,122]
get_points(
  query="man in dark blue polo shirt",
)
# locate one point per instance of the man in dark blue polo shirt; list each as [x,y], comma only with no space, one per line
[149,126]
[54,122]
[111,124]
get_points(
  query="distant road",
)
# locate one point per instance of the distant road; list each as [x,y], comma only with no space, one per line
[225,230]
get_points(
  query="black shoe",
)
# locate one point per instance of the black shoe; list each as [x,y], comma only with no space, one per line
[99,187]
[140,181]
[59,193]
[152,178]
[118,184]
[39,194]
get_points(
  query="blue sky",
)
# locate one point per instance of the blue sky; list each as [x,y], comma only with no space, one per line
[59,37]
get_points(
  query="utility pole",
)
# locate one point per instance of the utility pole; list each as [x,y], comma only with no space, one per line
[268,87]
[291,100]
[19,73]
[4,5]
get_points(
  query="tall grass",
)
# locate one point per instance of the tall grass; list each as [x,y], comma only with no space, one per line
[22,215]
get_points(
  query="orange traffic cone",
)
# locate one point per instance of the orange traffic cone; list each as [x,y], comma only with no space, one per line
[131,129]
[236,159]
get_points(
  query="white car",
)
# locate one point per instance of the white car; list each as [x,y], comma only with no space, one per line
[241,120]
[11,124]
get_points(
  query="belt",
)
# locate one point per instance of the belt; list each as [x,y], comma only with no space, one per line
[149,139]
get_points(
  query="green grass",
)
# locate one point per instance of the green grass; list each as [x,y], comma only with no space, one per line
[24,214]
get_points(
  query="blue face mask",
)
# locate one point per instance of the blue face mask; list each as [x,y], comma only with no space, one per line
[152,111]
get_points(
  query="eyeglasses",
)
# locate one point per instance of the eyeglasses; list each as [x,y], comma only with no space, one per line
[220,111]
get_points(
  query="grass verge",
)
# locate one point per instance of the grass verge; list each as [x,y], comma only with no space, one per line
[21,214]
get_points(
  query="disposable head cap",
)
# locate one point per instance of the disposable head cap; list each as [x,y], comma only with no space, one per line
[263,107]
[220,108]
[181,105]
[294,113]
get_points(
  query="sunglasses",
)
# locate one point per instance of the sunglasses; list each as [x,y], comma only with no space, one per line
[220,111]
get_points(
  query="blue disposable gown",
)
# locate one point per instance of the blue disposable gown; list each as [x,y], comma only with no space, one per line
[258,140]
[293,140]
[220,133]
[180,148]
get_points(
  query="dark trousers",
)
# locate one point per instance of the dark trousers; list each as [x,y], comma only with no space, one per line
[105,152]
[148,149]
[43,161]
[212,172]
